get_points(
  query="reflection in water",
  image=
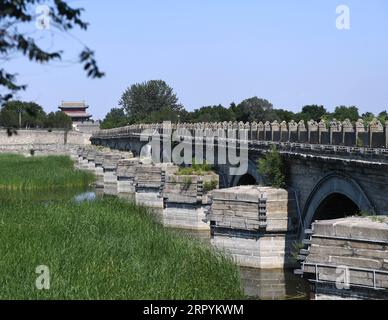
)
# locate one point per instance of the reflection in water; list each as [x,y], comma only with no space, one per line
[263,284]
[267,284]
[86,196]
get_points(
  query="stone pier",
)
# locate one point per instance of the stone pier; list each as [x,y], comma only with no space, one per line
[256,225]
[150,179]
[126,178]
[109,166]
[186,200]
[347,258]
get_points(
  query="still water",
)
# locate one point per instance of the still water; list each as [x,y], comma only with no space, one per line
[263,284]
[256,283]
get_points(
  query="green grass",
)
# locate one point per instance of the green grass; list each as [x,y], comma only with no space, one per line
[106,249]
[40,173]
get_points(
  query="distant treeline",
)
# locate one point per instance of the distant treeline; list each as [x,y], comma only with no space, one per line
[155,101]
[32,115]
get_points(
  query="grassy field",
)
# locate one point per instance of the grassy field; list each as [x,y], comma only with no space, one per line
[105,249]
[21,173]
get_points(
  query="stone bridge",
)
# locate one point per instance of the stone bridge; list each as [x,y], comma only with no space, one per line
[334,169]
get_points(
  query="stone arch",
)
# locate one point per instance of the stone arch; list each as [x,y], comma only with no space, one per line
[335,183]
[252,172]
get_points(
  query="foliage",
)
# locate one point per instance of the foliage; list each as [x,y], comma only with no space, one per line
[210,185]
[342,113]
[114,119]
[212,114]
[285,115]
[86,243]
[196,169]
[271,168]
[32,115]
[58,120]
[16,16]
[312,112]
[40,173]
[254,109]
[143,100]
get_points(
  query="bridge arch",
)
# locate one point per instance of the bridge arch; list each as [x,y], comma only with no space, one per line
[249,178]
[339,188]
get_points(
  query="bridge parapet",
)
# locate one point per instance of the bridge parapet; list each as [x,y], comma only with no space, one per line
[346,133]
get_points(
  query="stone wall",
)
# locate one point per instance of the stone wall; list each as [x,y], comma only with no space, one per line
[314,178]
[43,137]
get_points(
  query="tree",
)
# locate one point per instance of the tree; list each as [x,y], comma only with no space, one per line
[383,116]
[115,118]
[58,120]
[32,114]
[271,168]
[285,115]
[312,112]
[212,114]
[143,99]
[19,15]
[254,109]
[342,112]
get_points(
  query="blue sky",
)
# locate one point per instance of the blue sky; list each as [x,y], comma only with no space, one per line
[220,51]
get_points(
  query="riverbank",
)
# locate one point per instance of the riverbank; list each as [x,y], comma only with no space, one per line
[104,249]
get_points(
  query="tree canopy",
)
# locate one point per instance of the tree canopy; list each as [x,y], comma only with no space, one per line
[18,15]
[155,101]
[32,115]
[143,101]
[115,118]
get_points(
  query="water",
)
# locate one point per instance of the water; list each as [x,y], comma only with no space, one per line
[262,284]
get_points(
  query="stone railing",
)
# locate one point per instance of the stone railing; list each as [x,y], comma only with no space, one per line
[345,133]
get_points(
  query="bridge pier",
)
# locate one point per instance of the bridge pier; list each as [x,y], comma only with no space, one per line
[256,225]
[126,178]
[109,166]
[186,200]
[347,258]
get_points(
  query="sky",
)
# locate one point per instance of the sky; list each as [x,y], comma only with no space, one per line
[219,51]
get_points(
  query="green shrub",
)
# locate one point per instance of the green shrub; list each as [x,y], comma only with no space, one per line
[210,185]
[271,168]
[195,169]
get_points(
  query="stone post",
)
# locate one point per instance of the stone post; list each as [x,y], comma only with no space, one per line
[274,128]
[321,129]
[260,131]
[301,129]
[386,134]
[333,127]
[292,127]
[312,126]
[374,127]
[359,128]
[267,128]
[346,127]
[253,135]
[283,129]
